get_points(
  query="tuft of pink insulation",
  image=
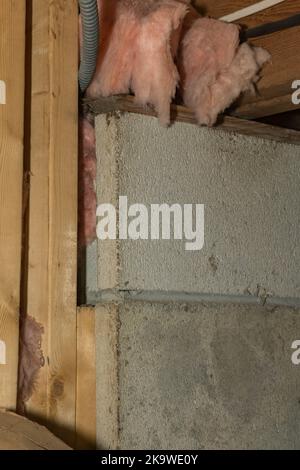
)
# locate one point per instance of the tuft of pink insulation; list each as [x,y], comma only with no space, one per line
[214,69]
[154,75]
[139,40]
[87,177]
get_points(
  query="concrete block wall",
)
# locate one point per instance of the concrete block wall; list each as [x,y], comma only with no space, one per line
[203,376]
[204,338]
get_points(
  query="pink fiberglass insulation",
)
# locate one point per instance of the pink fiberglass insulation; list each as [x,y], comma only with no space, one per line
[31,359]
[139,40]
[87,177]
[139,44]
[215,69]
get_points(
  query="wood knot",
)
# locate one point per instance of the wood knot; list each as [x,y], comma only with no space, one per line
[57,388]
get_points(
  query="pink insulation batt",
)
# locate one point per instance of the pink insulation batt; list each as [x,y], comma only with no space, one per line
[87,177]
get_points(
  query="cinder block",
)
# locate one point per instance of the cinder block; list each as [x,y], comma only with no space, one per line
[208,377]
[250,188]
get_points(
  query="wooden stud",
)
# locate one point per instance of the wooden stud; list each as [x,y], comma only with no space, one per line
[12,75]
[86,380]
[52,237]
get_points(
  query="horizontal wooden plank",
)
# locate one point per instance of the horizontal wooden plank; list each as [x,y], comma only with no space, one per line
[183,114]
[220,8]
[264,107]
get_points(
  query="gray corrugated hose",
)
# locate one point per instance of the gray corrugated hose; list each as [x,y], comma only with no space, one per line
[90,41]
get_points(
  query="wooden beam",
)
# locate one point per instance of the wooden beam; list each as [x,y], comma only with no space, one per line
[52,238]
[86,380]
[183,114]
[263,107]
[220,8]
[12,76]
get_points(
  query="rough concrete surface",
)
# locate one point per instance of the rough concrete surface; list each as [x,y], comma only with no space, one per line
[250,188]
[208,377]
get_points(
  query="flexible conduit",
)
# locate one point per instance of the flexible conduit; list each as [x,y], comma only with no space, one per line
[90,41]
[251,10]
